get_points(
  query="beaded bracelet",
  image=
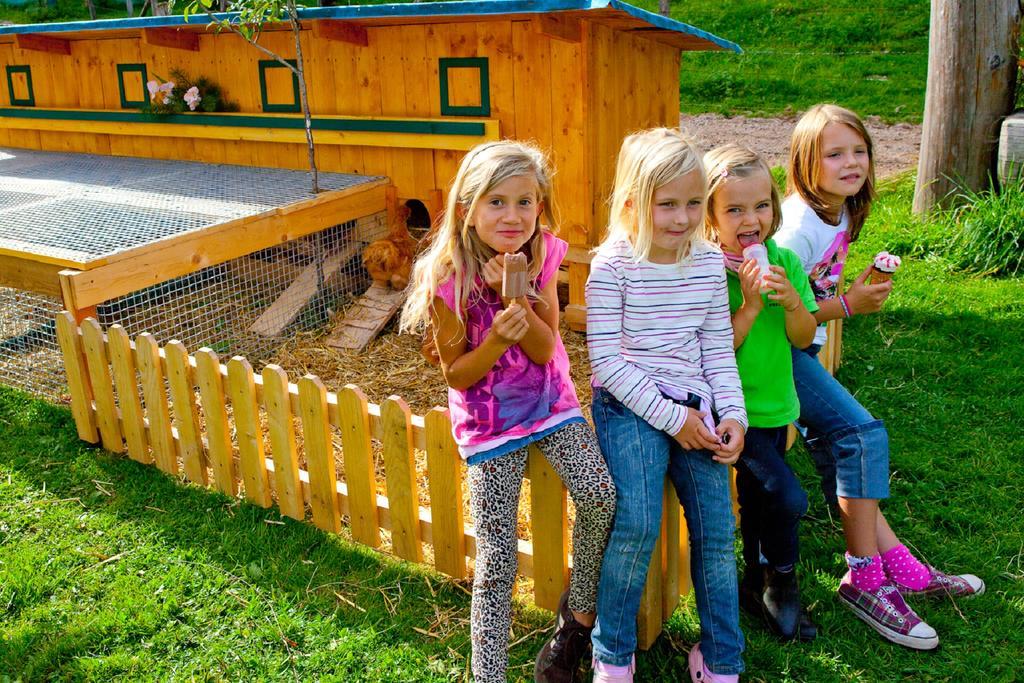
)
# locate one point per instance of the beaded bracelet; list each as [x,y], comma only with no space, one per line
[846,305]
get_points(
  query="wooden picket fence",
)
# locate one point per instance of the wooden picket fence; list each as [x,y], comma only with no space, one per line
[141,398]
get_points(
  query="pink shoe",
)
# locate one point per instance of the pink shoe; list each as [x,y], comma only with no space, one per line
[609,673]
[941,584]
[700,673]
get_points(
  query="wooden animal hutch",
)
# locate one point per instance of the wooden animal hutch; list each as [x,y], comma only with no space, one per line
[398,92]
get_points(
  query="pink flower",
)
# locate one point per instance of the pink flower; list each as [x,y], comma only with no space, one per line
[153,87]
[166,89]
[192,98]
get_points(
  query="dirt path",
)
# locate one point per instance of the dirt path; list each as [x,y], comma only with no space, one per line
[896,146]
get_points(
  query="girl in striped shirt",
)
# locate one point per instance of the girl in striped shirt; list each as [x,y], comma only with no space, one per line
[667,398]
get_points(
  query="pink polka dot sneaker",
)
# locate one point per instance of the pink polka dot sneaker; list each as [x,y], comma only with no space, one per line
[942,585]
[885,611]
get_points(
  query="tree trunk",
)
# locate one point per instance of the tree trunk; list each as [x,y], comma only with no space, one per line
[663,8]
[972,67]
[92,9]
[303,100]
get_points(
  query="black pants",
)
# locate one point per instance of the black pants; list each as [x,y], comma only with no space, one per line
[771,499]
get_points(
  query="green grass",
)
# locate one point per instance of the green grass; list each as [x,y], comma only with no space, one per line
[987,231]
[869,56]
[110,570]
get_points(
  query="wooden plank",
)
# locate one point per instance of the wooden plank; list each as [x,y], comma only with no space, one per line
[103,391]
[400,477]
[242,390]
[41,43]
[77,372]
[316,434]
[281,427]
[550,531]
[147,357]
[340,31]
[366,318]
[568,29]
[182,385]
[171,38]
[444,470]
[123,365]
[283,311]
[670,594]
[683,541]
[218,430]
[23,272]
[172,257]
[354,423]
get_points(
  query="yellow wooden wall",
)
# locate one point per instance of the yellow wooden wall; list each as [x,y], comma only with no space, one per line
[575,99]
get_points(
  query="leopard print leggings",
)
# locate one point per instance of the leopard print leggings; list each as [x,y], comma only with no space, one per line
[494,487]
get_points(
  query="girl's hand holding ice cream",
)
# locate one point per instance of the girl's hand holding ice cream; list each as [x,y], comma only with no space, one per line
[750,283]
[782,289]
[867,298]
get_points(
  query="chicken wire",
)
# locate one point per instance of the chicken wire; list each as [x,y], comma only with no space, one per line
[30,357]
[86,207]
[83,207]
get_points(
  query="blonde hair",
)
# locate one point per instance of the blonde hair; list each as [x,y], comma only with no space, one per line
[804,173]
[728,162]
[648,160]
[456,250]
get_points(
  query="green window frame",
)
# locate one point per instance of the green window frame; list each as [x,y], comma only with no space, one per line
[482,66]
[140,69]
[30,101]
[295,105]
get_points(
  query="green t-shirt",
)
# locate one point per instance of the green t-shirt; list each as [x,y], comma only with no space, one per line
[764,359]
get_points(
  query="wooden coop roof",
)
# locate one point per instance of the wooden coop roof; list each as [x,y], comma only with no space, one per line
[617,15]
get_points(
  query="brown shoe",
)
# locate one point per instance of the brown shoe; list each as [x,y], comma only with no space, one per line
[559,659]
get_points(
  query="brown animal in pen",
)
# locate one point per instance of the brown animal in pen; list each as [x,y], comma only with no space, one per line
[389,260]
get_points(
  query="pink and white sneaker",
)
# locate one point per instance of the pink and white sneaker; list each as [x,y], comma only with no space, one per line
[609,673]
[700,673]
[941,585]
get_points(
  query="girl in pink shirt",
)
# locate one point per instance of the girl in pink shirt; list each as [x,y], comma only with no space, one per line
[509,387]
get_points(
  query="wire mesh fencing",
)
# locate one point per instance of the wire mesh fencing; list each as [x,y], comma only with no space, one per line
[30,358]
[247,306]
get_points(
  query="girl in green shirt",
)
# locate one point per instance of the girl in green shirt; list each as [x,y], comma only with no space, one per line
[771,305]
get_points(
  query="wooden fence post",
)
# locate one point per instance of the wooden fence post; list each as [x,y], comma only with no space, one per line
[550,531]
[316,435]
[103,390]
[359,476]
[278,405]
[147,354]
[400,477]
[242,389]
[182,385]
[444,470]
[123,364]
[78,377]
[218,431]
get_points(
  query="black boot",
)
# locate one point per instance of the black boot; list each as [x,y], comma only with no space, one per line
[781,603]
[559,659]
[808,629]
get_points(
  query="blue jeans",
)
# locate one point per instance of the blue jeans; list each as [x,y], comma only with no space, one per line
[848,445]
[638,456]
[771,501]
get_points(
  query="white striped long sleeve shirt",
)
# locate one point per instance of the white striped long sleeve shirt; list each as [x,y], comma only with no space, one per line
[655,330]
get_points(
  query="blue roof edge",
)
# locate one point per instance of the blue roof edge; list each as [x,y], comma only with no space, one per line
[424,9]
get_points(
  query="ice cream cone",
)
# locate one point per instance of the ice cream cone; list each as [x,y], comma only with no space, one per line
[884,267]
